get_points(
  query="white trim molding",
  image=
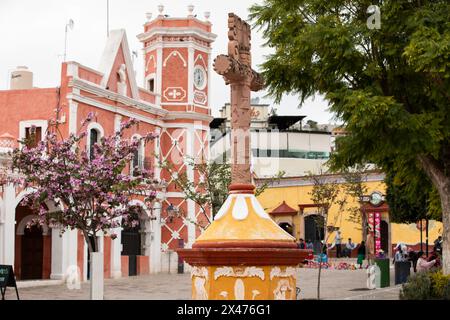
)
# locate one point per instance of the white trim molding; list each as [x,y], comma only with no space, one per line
[174,53]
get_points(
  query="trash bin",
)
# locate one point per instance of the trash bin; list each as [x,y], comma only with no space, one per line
[383,264]
[402,271]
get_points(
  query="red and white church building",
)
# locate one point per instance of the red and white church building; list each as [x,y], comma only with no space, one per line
[173,101]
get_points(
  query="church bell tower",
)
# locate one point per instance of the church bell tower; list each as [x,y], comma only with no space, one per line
[177,53]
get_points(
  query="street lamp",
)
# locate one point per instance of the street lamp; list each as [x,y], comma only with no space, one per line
[172,211]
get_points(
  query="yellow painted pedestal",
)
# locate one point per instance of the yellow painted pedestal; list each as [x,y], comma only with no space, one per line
[244,254]
[244,283]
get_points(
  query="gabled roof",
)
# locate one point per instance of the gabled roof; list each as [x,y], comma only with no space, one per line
[284,209]
[118,39]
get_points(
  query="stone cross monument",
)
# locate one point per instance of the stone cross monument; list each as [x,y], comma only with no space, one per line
[243,254]
[236,69]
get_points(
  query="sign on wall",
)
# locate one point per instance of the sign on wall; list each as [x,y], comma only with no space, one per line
[7,279]
[375,224]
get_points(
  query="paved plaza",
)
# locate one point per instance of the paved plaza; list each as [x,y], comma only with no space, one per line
[336,284]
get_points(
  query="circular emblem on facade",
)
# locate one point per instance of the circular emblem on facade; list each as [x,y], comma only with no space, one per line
[376,198]
[199,77]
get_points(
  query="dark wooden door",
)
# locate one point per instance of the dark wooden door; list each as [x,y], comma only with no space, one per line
[314,231]
[131,247]
[32,253]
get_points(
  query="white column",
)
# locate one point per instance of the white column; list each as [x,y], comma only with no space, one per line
[190,88]
[59,250]
[157,150]
[73,116]
[116,252]
[97,276]
[71,247]
[159,65]
[9,240]
[190,152]
[116,244]
[155,246]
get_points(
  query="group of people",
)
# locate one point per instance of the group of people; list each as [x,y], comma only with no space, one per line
[419,260]
[305,245]
[342,251]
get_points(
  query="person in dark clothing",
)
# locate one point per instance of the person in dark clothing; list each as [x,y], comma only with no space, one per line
[438,245]
[361,254]
[413,257]
[301,244]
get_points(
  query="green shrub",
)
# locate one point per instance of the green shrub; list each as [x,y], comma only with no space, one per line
[418,287]
[439,283]
[431,285]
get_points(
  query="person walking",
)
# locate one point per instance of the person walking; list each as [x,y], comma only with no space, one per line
[361,254]
[337,241]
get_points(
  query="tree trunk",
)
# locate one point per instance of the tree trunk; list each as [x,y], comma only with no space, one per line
[445,201]
[318,279]
[441,181]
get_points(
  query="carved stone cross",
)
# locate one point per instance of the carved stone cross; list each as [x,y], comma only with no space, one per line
[236,69]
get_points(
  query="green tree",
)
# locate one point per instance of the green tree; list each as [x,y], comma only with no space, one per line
[212,190]
[388,84]
[326,192]
[409,202]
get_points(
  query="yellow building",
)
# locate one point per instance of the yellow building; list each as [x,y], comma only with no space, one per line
[289,202]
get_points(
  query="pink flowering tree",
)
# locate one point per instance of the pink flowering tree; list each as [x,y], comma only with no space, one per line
[91,189]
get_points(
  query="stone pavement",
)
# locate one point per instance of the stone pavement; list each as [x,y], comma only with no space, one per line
[336,284]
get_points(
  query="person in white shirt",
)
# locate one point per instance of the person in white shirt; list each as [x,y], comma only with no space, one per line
[423,264]
[349,246]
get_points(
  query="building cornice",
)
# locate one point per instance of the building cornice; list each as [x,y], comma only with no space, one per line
[181,31]
[103,93]
[115,109]
[188,116]
[85,68]
[170,44]
[307,181]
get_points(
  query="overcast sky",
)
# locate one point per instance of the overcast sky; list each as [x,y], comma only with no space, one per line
[32,34]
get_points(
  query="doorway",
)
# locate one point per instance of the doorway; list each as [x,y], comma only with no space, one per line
[384,234]
[314,230]
[131,247]
[287,227]
[32,254]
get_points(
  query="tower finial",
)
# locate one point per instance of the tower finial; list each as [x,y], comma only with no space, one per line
[190,10]
[207,14]
[160,9]
[148,15]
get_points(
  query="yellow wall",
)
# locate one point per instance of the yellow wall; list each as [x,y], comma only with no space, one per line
[272,197]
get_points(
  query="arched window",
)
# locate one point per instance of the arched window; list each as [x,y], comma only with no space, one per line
[138,157]
[95,133]
[93,139]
